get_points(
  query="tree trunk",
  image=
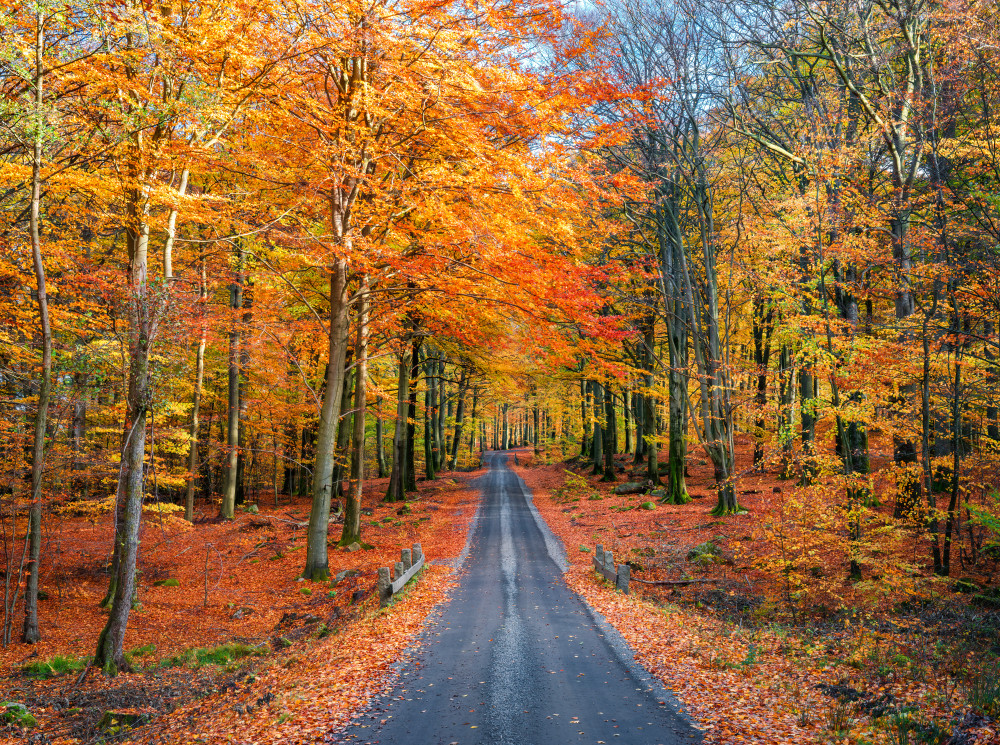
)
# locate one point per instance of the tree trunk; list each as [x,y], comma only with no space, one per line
[228,507]
[786,413]
[610,430]
[956,432]
[78,437]
[317,564]
[142,312]
[677,350]
[639,417]
[925,418]
[598,439]
[246,302]
[430,417]
[307,449]
[196,404]
[763,328]
[411,418]
[352,514]
[807,415]
[472,423]
[441,390]
[992,411]
[380,448]
[649,405]
[397,477]
[627,416]
[463,387]
[904,451]
[30,633]
[534,432]
[344,430]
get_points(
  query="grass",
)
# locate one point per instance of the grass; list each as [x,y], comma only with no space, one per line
[224,654]
[55,666]
[67,664]
[983,690]
[132,654]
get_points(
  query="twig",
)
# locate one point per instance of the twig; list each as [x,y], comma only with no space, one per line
[208,553]
[82,675]
[672,581]
[296,523]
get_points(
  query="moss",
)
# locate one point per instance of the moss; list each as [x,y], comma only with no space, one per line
[705,553]
[16,713]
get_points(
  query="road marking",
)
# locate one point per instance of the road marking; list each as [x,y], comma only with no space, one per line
[509,679]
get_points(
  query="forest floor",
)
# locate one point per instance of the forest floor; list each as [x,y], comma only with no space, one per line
[231,643]
[749,664]
[233,648]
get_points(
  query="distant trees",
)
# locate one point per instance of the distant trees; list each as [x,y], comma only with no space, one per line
[799,179]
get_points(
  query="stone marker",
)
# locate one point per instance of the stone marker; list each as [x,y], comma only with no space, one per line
[384,585]
[418,553]
[599,554]
[405,557]
[399,570]
[624,574]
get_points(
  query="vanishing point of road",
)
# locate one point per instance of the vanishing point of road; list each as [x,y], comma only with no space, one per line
[515,657]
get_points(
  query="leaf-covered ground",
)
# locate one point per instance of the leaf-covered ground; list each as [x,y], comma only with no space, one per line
[307,654]
[745,670]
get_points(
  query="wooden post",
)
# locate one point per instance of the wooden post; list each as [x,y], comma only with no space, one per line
[384,585]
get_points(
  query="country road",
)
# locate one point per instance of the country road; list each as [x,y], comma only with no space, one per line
[515,657]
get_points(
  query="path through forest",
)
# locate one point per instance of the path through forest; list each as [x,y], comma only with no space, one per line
[517,657]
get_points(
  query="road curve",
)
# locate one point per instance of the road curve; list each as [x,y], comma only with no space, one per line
[515,657]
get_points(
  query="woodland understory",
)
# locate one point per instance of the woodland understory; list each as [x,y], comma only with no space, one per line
[273,276]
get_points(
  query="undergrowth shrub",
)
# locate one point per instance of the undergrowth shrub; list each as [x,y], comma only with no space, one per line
[574,488]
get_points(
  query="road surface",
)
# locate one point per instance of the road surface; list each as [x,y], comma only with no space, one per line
[515,657]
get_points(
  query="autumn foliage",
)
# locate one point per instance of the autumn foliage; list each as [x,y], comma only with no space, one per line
[272,254]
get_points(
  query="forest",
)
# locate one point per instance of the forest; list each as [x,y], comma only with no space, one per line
[291,267]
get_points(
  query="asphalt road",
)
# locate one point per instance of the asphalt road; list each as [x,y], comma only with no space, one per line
[515,657]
